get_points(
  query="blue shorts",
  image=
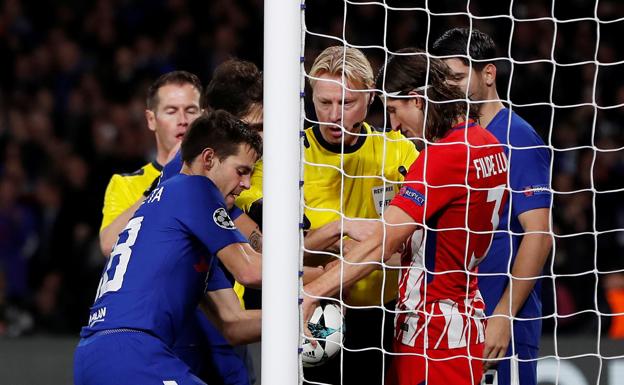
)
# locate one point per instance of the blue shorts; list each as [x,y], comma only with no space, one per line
[124,356]
[524,366]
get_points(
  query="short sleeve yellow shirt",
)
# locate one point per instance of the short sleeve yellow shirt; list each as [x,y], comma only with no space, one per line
[124,190]
[357,182]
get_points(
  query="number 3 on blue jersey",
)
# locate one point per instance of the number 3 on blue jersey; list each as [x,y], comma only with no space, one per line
[113,275]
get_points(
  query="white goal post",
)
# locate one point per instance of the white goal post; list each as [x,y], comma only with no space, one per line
[281,205]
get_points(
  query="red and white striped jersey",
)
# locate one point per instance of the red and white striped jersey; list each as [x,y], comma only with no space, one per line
[455,189]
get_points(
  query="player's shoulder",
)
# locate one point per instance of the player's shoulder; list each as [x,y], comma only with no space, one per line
[477,135]
[508,125]
[151,168]
[143,176]
[463,141]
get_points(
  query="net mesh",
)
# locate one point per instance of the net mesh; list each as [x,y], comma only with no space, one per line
[559,67]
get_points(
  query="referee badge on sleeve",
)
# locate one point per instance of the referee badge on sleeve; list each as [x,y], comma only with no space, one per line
[222,219]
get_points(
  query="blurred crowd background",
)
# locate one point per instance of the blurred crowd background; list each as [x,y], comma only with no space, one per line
[73,79]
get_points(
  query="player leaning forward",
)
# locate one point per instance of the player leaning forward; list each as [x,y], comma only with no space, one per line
[165,260]
[353,169]
[449,205]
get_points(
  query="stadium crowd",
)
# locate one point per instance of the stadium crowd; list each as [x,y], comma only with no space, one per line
[72,85]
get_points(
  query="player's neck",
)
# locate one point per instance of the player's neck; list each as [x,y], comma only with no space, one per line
[161,159]
[488,111]
[196,167]
[163,155]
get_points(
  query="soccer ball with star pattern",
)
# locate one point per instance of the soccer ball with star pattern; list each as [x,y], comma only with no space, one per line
[327,327]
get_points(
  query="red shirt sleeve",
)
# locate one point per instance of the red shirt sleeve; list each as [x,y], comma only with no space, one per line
[434,180]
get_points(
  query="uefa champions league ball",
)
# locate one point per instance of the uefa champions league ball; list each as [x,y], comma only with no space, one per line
[327,327]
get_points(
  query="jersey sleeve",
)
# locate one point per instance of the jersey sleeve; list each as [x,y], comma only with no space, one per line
[429,184]
[172,168]
[529,176]
[116,200]
[254,194]
[206,216]
[216,278]
[235,212]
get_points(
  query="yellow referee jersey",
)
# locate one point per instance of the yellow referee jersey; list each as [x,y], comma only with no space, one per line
[244,202]
[359,183]
[124,190]
[248,197]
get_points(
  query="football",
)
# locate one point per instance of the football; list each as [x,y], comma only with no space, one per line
[327,327]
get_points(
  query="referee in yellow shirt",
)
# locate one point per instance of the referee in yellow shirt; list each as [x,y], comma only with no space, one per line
[354,170]
[172,105]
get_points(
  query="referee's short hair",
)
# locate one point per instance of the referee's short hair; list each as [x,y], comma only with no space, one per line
[334,60]
[174,77]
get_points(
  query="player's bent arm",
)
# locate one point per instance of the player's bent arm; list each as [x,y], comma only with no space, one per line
[322,238]
[243,262]
[327,238]
[238,326]
[109,234]
[399,226]
[532,254]
[250,229]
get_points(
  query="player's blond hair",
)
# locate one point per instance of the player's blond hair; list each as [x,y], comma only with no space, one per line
[334,60]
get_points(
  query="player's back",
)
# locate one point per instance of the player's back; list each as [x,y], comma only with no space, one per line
[455,188]
[155,274]
[467,183]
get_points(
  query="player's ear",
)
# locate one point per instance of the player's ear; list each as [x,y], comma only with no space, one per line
[371,98]
[489,74]
[150,117]
[416,99]
[208,156]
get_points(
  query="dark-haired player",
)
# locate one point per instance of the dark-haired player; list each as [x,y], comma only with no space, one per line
[235,87]
[165,260]
[522,247]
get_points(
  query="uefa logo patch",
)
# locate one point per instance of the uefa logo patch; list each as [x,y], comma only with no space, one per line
[222,219]
[413,195]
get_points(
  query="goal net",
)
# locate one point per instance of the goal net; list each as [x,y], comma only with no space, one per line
[559,67]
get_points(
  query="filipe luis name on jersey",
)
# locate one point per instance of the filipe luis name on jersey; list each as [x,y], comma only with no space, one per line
[490,165]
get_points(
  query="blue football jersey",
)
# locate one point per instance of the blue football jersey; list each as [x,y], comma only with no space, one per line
[223,362]
[529,180]
[172,168]
[161,264]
